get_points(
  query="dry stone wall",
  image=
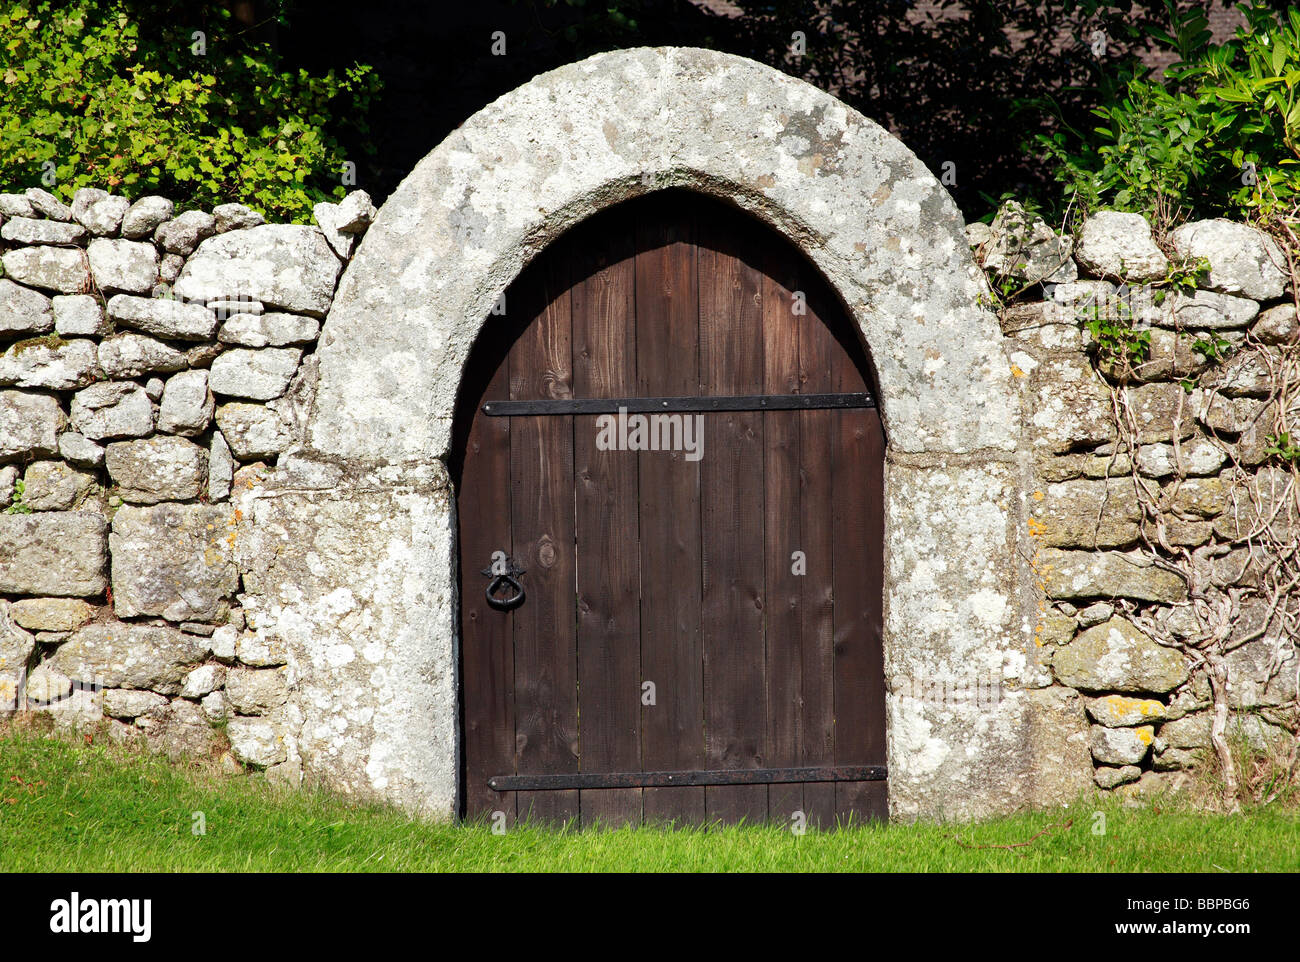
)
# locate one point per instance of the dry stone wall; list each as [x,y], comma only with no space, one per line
[157,370]
[154,364]
[1164,529]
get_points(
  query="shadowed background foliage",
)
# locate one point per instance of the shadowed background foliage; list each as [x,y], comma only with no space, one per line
[302,87]
[959,82]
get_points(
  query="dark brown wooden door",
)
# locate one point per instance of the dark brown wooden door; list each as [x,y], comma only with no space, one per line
[712,608]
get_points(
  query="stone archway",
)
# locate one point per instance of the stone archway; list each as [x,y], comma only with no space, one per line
[370,604]
[527,167]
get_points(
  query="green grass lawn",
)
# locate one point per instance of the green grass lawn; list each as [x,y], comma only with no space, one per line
[72,807]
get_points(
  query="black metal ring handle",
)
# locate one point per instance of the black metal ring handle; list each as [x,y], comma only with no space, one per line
[510,601]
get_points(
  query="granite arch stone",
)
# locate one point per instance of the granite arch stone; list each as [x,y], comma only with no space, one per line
[476,210]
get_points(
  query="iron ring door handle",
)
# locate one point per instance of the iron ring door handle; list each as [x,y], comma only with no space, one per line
[500,579]
[509,602]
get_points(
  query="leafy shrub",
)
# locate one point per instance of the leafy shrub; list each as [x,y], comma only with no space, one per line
[1217,136]
[100,95]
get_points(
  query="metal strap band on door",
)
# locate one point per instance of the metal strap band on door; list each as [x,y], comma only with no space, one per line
[690,405]
[749,776]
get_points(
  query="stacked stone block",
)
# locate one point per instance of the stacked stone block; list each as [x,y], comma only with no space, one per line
[153,366]
[1147,707]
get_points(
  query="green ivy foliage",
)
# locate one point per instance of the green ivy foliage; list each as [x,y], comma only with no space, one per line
[101,95]
[1217,135]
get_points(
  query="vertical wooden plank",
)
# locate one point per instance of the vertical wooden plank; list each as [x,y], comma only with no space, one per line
[542,524]
[816,525]
[487,646]
[857,481]
[731,362]
[608,563]
[667,351]
[781,533]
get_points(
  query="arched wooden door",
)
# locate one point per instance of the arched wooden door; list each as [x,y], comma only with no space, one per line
[700,632]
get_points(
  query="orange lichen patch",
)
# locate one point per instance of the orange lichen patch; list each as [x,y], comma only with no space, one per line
[1016,371]
[1038,496]
[232,526]
[1117,711]
[1120,705]
[1041,573]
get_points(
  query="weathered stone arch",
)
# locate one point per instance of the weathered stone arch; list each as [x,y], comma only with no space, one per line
[370,484]
[527,167]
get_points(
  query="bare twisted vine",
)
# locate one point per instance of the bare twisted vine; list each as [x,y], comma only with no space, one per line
[1264,535]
